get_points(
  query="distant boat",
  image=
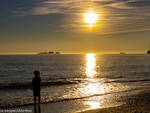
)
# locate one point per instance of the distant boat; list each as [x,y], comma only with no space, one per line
[122,53]
[57,52]
[148,52]
[49,53]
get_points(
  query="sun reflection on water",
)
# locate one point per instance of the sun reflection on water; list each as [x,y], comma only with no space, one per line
[90,65]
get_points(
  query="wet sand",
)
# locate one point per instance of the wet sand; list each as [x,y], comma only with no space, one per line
[121,109]
[139,103]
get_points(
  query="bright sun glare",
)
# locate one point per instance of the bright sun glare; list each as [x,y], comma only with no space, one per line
[90,65]
[90,18]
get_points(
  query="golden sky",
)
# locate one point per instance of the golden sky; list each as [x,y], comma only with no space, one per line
[74,26]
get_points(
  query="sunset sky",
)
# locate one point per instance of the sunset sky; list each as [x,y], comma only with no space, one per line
[30,26]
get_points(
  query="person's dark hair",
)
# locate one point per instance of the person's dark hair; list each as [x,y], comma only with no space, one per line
[36,73]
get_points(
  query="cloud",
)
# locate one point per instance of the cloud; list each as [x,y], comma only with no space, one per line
[123,31]
[116,15]
[139,3]
[58,6]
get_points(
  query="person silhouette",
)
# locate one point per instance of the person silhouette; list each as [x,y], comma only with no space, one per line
[36,81]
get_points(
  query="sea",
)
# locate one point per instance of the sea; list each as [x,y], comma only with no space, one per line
[71,76]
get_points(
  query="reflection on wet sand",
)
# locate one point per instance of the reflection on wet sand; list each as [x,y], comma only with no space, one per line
[93,105]
[93,88]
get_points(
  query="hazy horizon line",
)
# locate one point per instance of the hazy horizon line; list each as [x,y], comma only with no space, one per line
[36,53]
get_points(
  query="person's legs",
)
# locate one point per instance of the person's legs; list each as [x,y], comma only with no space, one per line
[34,99]
[35,110]
[39,98]
[39,109]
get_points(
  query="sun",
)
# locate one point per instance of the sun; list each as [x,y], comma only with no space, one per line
[91,18]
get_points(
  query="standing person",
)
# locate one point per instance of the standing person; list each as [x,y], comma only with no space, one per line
[36,86]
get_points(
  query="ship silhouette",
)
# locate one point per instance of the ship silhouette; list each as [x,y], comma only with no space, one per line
[49,53]
[148,52]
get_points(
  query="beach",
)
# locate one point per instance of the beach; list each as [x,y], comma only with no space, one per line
[139,102]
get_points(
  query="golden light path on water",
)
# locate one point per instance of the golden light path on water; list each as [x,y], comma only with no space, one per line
[93,87]
[90,65]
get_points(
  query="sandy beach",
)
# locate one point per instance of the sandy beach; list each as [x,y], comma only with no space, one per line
[135,104]
[121,109]
[139,102]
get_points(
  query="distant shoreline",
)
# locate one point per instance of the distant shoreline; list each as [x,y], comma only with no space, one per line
[80,54]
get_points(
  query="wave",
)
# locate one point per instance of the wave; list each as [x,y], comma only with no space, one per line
[125,81]
[28,85]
